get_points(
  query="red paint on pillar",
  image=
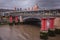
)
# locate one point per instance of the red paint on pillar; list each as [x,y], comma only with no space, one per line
[16,19]
[43,24]
[51,20]
[10,19]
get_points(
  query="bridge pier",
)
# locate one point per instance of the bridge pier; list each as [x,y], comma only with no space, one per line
[10,20]
[51,31]
[21,20]
[44,30]
[16,20]
[57,24]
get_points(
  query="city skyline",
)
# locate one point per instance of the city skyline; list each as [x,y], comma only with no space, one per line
[48,4]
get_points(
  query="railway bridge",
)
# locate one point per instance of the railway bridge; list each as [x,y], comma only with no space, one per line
[44,16]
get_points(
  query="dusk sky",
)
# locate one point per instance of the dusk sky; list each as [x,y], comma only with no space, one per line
[48,4]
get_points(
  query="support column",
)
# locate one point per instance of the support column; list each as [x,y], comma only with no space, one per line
[0,20]
[51,27]
[44,30]
[21,20]
[57,26]
[16,20]
[11,20]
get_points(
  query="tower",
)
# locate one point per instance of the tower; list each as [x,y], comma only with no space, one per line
[35,7]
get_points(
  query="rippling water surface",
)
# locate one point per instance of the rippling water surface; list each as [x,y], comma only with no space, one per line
[21,32]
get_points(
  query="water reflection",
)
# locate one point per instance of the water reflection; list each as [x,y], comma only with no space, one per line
[21,32]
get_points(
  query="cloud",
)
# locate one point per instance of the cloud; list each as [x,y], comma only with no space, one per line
[29,3]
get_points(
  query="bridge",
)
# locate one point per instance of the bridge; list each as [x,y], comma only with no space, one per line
[33,14]
[41,15]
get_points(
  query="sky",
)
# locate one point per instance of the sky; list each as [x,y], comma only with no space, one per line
[48,4]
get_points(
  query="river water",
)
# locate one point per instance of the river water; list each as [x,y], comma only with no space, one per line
[22,32]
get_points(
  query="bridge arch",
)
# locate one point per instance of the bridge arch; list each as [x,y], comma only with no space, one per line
[32,20]
[31,17]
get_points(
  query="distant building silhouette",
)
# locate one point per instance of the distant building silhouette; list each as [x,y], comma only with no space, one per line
[35,7]
[14,8]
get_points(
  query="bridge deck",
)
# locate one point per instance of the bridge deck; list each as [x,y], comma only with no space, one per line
[41,13]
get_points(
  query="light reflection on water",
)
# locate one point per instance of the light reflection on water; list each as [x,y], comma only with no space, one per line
[19,32]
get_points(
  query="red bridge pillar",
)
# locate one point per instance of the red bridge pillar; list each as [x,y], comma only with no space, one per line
[16,20]
[10,20]
[51,27]
[44,30]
